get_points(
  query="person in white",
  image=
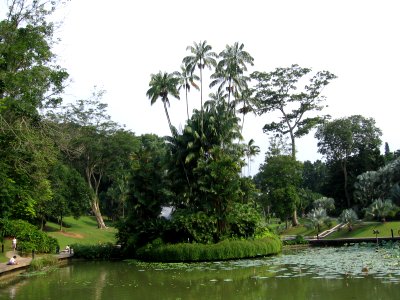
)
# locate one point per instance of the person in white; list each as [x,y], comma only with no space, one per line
[12,261]
[14,243]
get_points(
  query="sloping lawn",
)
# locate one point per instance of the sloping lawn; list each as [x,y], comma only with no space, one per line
[7,247]
[306,231]
[81,231]
[366,230]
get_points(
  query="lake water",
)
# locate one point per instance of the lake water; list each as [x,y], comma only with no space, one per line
[312,273]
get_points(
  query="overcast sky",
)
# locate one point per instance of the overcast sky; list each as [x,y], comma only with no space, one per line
[116,45]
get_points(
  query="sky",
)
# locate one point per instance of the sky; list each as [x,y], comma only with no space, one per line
[116,45]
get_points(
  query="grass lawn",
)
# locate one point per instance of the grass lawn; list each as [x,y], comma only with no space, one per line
[81,231]
[366,230]
[304,230]
[7,247]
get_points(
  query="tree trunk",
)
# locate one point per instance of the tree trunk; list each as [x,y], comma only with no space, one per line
[169,120]
[346,192]
[295,221]
[187,104]
[97,213]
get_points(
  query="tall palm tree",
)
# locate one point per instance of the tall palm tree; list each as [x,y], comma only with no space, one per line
[201,57]
[186,79]
[162,84]
[231,67]
[247,101]
[250,151]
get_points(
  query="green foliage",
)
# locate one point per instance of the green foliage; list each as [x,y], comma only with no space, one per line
[28,236]
[318,217]
[382,183]
[351,146]
[106,251]
[381,209]
[43,262]
[298,240]
[348,216]
[326,203]
[221,251]
[196,227]
[244,220]
[278,91]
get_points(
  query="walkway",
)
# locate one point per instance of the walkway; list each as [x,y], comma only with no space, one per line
[23,262]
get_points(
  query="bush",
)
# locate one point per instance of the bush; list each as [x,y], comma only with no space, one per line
[299,240]
[28,236]
[106,251]
[198,227]
[224,250]
[43,262]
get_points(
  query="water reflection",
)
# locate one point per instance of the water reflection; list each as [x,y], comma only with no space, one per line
[324,273]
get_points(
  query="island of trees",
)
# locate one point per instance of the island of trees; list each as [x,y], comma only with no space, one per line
[59,160]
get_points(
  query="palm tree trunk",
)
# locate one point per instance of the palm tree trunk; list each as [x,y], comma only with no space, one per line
[201,100]
[187,104]
[169,121]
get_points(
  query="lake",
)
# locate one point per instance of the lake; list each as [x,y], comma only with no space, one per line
[314,273]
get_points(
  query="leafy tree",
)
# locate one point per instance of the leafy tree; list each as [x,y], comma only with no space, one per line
[276,91]
[86,130]
[280,178]
[162,85]
[343,138]
[315,176]
[29,78]
[326,203]
[148,193]
[71,195]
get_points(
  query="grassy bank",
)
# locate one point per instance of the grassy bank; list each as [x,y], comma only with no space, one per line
[81,231]
[366,229]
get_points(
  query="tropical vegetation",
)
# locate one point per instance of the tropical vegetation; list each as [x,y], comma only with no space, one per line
[62,160]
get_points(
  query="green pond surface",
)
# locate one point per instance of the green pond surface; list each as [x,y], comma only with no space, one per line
[312,273]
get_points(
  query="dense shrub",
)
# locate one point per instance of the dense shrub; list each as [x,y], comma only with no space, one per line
[106,251]
[228,249]
[43,262]
[28,236]
[299,240]
[243,220]
[198,227]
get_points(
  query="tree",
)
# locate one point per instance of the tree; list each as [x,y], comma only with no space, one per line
[381,209]
[250,151]
[349,217]
[71,195]
[275,91]
[161,85]
[29,79]
[186,80]
[280,178]
[201,57]
[318,217]
[230,69]
[148,192]
[86,130]
[343,138]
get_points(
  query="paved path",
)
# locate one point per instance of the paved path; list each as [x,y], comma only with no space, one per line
[23,262]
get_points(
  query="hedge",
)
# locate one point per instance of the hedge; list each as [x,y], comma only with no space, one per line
[228,249]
